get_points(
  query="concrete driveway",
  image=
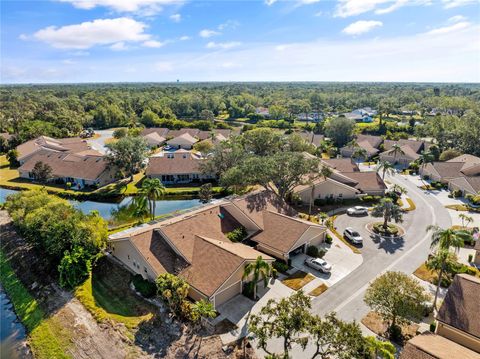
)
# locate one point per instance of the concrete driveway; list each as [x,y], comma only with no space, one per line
[339,255]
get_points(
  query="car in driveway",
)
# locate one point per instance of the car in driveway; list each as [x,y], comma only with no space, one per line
[353,236]
[357,211]
[319,264]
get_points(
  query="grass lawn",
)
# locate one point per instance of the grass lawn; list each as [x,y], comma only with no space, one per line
[298,280]
[411,204]
[457,207]
[107,295]
[319,290]
[47,338]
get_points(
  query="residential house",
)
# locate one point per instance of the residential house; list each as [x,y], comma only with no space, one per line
[181,166]
[219,132]
[411,151]
[460,173]
[62,145]
[341,164]
[195,245]
[156,136]
[154,139]
[361,115]
[457,334]
[262,111]
[312,138]
[370,144]
[185,141]
[86,168]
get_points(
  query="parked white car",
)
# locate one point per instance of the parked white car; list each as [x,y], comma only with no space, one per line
[318,264]
[353,236]
[357,211]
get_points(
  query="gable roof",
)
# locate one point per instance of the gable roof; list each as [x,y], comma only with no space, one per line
[461,307]
[342,164]
[193,132]
[416,146]
[73,145]
[366,181]
[75,165]
[154,138]
[312,138]
[161,131]
[183,138]
[281,232]
[374,141]
[181,163]
[432,346]
[407,150]
[448,169]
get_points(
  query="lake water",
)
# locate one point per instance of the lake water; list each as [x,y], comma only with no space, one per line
[12,332]
[105,208]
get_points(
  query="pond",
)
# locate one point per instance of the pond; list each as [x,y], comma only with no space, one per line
[12,332]
[105,208]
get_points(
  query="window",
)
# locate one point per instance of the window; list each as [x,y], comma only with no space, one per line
[145,269]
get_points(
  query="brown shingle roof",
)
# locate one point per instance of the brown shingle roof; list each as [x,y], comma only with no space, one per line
[74,165]
[461,307]
[448,169]
[191,131]
[407,150]
[281,232]
[366,181]
[342,164]
[161,131]
[254,204]
[184,137]
[374,141]
[416,146]
[432,346]
[310,137]
[183,163]
[71,145]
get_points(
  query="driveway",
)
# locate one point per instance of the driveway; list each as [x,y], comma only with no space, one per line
[99,142]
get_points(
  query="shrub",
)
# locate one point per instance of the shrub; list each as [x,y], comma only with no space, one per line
[144,287]
[378,228]
[456,193]
[248,289]
[312,251]
[433,326]
[321,253]
[74,267]
[470,258]
[328,239]
[119,133]
[237,235]
[319,202]
[280,266]
[395,333]
[426,177]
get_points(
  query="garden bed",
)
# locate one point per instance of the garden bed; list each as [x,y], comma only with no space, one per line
[377,227]
[376,324]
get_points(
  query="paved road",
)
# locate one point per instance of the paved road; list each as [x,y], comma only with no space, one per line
[99,143]
[346,296]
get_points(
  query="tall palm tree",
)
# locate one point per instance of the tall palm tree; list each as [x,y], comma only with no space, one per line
[442,261]
[260,270]
[444,240]
[388,210]
[140,206]
[153,190]
[385,167]
[423,160]
[465,219]
[396,150]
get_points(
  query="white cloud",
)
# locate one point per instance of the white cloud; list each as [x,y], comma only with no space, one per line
[452,28]
[91,33]
[346,8]
[205,33]
[68,62]
[176,17]
[229,24]
[270,2]
[450,4]
[153,43]
[24,37]
[145,7]
[457,18]
[361,27]
[184,38]
[222,45]
[119,46]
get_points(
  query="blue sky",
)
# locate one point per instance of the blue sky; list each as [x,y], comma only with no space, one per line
[295,40]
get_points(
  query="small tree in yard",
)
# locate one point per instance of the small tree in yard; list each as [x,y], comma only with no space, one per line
[465,219]
[388,210]
[173,290]
[128,154]
[260,270]
[74,267]
[443,261]
[286,319]
[42,172]
[334,338]
[380,349]
[205,193]
[397,298]
[203,309]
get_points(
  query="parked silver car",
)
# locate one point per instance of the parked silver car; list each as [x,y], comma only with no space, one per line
[357,211]
[353,236]
[318,264]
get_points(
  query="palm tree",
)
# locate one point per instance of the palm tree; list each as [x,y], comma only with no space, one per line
[380,349]
[443,240]
[424,159]
[140,206]
[153,190]
[385,167]
[359,153]
[466,219]
[399,189]
[388,210]
[442,261]
[396,150]
[204,309]
[260,270]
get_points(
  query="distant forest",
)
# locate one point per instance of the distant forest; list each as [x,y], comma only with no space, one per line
[65,110]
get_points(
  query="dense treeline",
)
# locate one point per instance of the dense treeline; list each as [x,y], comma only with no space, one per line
[64,110]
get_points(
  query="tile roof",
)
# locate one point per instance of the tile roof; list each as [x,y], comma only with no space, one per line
[74,165]
[432,346]
[342,164]
[461,306]
[183,163]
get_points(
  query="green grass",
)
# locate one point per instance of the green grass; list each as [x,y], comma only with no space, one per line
[106,294]
[47,337]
